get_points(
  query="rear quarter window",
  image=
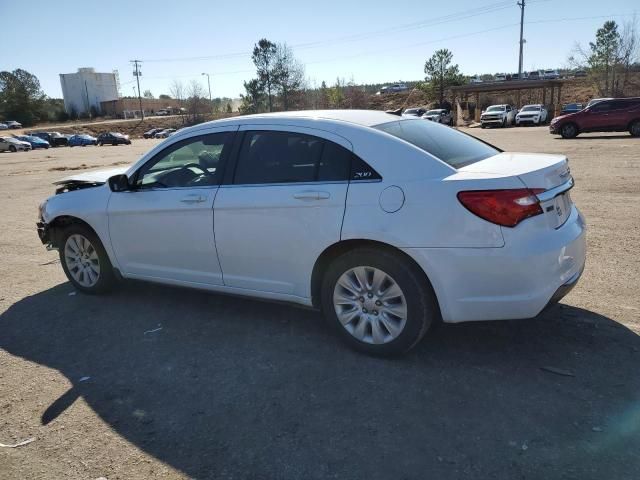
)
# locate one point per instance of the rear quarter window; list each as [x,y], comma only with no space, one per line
[454,148]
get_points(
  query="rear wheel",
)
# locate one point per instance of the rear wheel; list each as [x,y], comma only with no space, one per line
[85,261]
[12,149]
[379,302]
[634,128]
[570,130]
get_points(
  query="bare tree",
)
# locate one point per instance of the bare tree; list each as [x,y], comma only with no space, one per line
[177,91]
[288,75]
[196,104]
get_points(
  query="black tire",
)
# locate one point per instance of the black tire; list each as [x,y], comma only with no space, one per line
[504,123]
[421,305]
[12,149]
[634,128]
[482,125]
[569,130]
[101,144]
[106,277]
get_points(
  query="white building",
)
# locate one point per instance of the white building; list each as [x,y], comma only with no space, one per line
[87,89]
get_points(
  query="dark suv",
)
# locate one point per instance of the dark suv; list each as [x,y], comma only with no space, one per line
[113,138]
[55,139]
[609,115]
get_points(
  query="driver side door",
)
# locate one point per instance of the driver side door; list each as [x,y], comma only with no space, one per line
[162,229]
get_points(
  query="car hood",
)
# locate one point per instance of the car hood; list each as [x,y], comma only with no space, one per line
[94,177]
[562,117]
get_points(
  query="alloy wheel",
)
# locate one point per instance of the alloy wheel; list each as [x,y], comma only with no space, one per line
[370,305]
[82,260]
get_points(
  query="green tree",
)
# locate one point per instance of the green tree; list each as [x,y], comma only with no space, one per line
[603,57]
[164,96]
[229,109]
[323,101]
[441,74]
[336,94]
[264,58]
[21,97]
[253,99]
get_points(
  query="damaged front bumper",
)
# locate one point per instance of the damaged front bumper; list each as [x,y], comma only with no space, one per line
[44,232]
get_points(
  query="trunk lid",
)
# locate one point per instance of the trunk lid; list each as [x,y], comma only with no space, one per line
[536,171]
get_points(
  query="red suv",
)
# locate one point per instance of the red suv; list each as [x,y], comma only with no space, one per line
[610,115]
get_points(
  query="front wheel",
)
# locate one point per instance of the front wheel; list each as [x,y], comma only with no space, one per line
[569,131]
[13,149]
[379,301]
[634,129]
[85,261]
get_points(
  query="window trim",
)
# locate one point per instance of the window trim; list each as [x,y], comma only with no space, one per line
[133,179]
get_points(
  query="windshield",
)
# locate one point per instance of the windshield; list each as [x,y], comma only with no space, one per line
[495,109]
[530,108]
[447,144]
[434,112]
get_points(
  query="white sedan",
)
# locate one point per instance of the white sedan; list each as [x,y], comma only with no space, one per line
[531,115]
[386,224]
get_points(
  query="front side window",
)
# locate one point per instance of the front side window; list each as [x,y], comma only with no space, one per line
[194,162]
[447,144]
[290,157]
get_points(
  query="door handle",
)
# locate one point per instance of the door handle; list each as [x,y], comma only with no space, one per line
[311,195]
[195,198]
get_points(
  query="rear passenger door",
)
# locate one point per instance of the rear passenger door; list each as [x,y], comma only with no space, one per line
[282,204]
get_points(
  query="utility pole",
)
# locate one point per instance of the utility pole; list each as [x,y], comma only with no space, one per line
[86,91]
[209,84]
[137,73]
[521,5]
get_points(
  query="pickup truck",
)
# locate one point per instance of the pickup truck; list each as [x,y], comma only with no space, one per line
[498,116]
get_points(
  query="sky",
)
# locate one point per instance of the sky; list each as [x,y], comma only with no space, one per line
[364,41]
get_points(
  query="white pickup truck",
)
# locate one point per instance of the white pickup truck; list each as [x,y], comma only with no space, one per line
[498,116]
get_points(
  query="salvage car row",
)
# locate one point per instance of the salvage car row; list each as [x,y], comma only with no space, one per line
[35,140]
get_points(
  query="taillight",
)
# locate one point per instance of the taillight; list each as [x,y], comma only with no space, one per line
[503,207]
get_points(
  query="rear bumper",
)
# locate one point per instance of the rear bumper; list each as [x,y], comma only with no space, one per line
[533,269]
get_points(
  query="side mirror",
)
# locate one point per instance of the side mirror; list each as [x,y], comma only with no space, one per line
[119,183]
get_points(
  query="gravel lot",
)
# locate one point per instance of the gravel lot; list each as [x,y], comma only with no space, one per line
[234,388]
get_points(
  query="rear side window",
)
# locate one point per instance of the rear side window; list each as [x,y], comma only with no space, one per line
[290,157]
[601,107]
[447,144]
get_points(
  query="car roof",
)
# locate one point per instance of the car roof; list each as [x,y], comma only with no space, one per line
[366,118]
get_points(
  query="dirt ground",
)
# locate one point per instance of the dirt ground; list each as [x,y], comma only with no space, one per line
[185,384]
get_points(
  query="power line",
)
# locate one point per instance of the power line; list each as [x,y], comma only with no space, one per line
[458,16]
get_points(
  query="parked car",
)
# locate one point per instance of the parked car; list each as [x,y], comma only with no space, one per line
[3,126]
[535,75]
[55,139]
[498,116]
[396,87]
[611,115]
[580,73]
[550,75]
[113,138]
[163,112]
[362,214]
[531,115]
[152,132]
[12,124]
[500,77]
[414,112]
[35,142]
[439,115]
[11,144]
[571,108]
[82,140]
[164,133]
[475,79]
